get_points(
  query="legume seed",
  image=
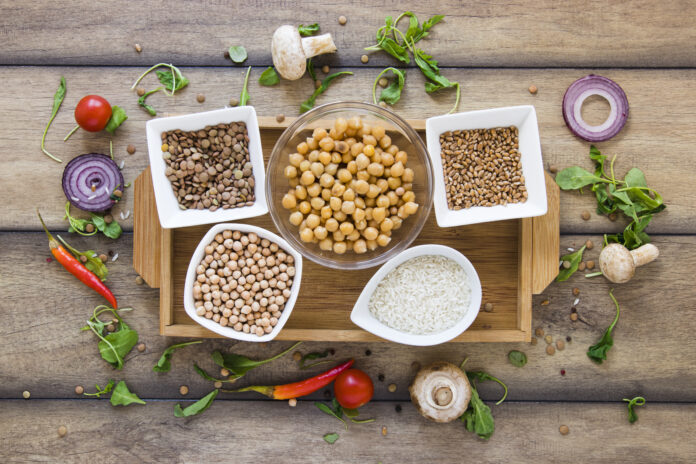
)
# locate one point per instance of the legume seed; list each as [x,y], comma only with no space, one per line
[292,402]
[183,390]
[140,91]
[342,20]
[325,69]
[533,89]
[391,387]
[141,347]
[364,59]
[539,332]
[280,117]
[563,429]
[130,149]
[383,82]
[548,339]
[590,264]
[585,215]
[550,350]
[138,48]
[79,390]
[589,245]
[26,395]
[62,431]
[139,280]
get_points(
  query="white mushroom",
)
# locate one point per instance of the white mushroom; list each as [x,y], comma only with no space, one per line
[441,392]
[618,264]
[290,51]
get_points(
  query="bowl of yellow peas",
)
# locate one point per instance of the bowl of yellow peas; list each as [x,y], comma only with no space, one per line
[349,185]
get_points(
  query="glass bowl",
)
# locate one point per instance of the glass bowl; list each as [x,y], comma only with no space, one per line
[402,135]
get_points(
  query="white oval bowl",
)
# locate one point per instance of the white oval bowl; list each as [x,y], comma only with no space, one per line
[228,331]
[363,318]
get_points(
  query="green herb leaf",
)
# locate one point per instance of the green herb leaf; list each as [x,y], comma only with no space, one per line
[148,108]
[240,365]
[478,417]
[93,262]
[598,351]
[392,93]
[164,363]
[196,408]
[427,25]
[118,116]
[238,54]
[58,98]
[269,77]
[123,397]
[327,410]
[306,31]
[313,356]
[101,391]
[111,230]
[331,438]
[574,259]
[483,376]
[76,224]
[310,70]
[576,177]
[309,103]
[173,79]
[209,377]
[244,97]
[116,345]
[517,358]
[394,49]
[637,401]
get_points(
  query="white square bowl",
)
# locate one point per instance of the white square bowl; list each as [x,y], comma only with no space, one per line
[229,332]
[170,215]
[363,318]
[524,118]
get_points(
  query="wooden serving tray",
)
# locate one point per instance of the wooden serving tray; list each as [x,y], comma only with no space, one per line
[514,259]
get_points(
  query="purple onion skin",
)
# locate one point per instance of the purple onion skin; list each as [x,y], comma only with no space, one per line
[589,82]
[92,169]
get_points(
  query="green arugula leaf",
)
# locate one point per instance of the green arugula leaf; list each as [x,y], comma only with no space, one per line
[427,25]
[173,79]
[269,77]
[118,116]
[331,438]
[598,351]
[310,70]
[209,377]
[309,103]
[517,358]
[93,263]
[238,54]
[483,376]
[123,397]
[244,97]
[394,49]
[313,356]
[76,224]
[101,391]
[116,345]
[111,230]
[164,363]
[478,417]
[392,93]
[240,365]
[196,408]
[599,159]
[306,31]
[576,177]
[148,108]
[637,401]
[58,98]
[338,414]
[574,259]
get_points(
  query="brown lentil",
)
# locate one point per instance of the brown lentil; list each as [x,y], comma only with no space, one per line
[139,280]
[576,291]
[217,384]
[280,117]
[589,245]
[488,307]
[234,102]
[138,48]
[364,59]
[539,332]
[140,91]
[210,168]
[342,20]
[26,395]
[590,264]
[613,217]
[243,282]
[560,345]
[391,387]
[581,266]
[573,317]
[383,82]
[89,228]
[534,341]
[548,339]
[566,264]
[62,431]
[482,167]
[130,149]
[533,89]
[585,215]
[325,69]
[103,257]
[317,84]
[297,356]
[141,347]
[550,350]
[564,429]
[200,98]
[183,390]
[79,390]
[553,168]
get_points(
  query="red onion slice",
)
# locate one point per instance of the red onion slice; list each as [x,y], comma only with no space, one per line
[586,87]
[89,182]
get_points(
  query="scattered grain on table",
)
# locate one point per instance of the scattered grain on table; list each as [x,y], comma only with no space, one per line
[79,390]
[548,339]
[280,117]
[317,84]
[26,394]
[139,280]
[384,431]
[573,317]
[533,89]
[62,431]
[581,266]
[138,47]
[545,302]
[560,345]
[234,102]
[364,59]
[589,245]
[342,20]
[297,356]
[488,307]
[553,168]
[397,408]
[111,328]
[539,332]
[325,69]
[383,82]
[576,291]
[566,264]
[585,215]
[564,429]
[141,347]
[534,341]
[200,98]
[183,390]
[613,217]
[224,372]
[140,91]
[292,402]
[383,104]
[550,350]
[391,387]
[130,149]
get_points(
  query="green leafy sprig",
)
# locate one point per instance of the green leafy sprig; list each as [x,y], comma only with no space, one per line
[58,98]
[164,362]
[632,403]
[598,351]
[114,346]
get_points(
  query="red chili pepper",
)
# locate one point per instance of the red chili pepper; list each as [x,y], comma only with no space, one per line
[76,268]
[297,389]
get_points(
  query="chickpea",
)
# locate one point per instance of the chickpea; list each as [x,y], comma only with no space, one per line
[394,183]
[326,194]
[369,151]
[393,198]
[375,169]
[346,228]
[397,222]
[383,185]
[313,221]
[382,201]
[401,157]
[387,159]
[296,219]
[336,157]
[359,214]
[319,134]
[373,191]
[320,232]
[353,236]
[348,207]
[385,141]
[327,143]
[313,157]
[379,213]
[317,169]
[302,148]
[306,234]
[340,247]
[312,144]
[363,175]
[326,212]
[335,203]
[324,158]
[300,192]
[361,187]
[410,208]
[342,147]
[340,125]
[307,178]
[372,245]
[408,196]
[408,175]
[378,132]
[326,244]
[296,159]
[304,165]
[356,149]
[359,202]
[338,236]
[351,166]
[344,175]
[317,203]
[383,240]
[331,168]
[370,233]
[314,190]
[355,123]
[340,216]
[289,201]
[349,194]
[386,225]
[304,207]
[331,225]
[290,172]
[360,225]
[360,246]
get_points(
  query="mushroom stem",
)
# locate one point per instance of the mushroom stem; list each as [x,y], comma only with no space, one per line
[618,264]
[443,396]
[645,254]
[318,45]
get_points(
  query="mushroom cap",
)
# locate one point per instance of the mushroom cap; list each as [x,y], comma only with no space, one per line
[288,54]
[441,392]
[616,263]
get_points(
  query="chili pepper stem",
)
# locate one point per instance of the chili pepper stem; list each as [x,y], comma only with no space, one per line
[265,390]
[51,241]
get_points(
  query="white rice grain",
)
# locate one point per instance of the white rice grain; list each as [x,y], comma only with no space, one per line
[115,257]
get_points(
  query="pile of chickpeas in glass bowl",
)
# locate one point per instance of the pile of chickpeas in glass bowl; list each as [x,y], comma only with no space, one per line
[351,183]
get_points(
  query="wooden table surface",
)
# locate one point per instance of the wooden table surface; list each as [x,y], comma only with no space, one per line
[496,50]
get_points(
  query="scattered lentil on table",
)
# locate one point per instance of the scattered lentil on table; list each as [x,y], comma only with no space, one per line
[590,264]
[317,84]
[183,390]
[234,102]
[548,339]
[280,117]
[79,390]
[550,350]
[364,59]
[533,89]
[391,387]
[581,266]
[539,332]
[563,429]
[383,82]
[325,69]
[545,302]
[560,345]
[297,356]
[553,168]
[482,167]
[224,372]
[138,48]
[589,245]
[62,431]
[488,307]
[210,168]
[26,394]
[342,20]
[243,282]
[383,104]
[141,347]
[585,215]
[139,280]
[576,291]
[200,98]
[140,91]
[292,402]
[130,149]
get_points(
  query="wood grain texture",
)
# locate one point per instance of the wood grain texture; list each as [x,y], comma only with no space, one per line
[525,433]
[545,241]
[474,33]
[657,138]
[147,247]
[41,344]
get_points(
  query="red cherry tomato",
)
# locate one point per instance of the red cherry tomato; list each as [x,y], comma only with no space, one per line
[353,388]
[92,113]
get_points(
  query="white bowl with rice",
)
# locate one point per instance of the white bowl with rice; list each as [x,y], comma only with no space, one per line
[426,295]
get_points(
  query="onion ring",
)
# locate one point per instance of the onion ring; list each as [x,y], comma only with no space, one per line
[586,87]
[90,180]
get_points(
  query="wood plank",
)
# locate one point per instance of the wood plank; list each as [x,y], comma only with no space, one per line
[657,138]
[41,344]
[147,253]
[474,33]
[546,240]
[525,433]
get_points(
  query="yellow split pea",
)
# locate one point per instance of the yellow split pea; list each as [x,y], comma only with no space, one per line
[350,187]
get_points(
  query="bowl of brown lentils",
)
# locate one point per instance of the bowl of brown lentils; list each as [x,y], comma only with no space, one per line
[207,167]
[349,185]
[487,164]
[242,282]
